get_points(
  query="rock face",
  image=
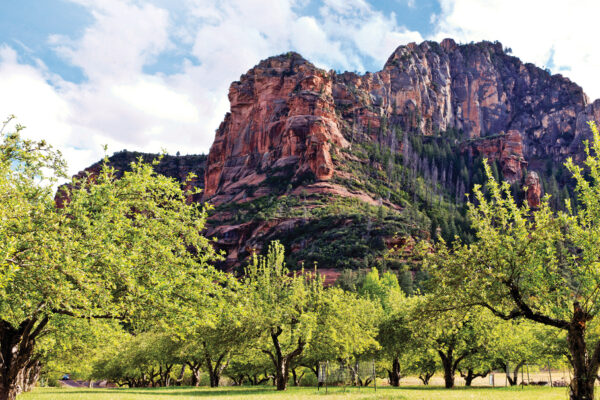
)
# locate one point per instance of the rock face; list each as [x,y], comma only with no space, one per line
[534,189]
[337,165]
[287,113]
[282,117]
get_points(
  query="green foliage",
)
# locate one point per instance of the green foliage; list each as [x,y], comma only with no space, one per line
[535,264]
[128,249]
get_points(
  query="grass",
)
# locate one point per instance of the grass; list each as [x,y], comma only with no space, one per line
[263,392]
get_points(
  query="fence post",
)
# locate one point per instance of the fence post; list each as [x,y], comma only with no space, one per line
[374,376]
[326,371]
[522,380]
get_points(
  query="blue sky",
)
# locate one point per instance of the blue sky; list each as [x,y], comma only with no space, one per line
[154,74]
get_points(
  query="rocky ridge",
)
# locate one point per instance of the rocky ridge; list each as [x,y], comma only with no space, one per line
[319,159]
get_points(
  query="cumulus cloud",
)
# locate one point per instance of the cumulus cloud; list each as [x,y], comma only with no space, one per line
[122,104]
[548,33]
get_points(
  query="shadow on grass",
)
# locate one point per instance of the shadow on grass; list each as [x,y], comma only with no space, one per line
[181,391]
[267,391]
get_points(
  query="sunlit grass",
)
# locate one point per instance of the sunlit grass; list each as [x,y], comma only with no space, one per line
[265,392]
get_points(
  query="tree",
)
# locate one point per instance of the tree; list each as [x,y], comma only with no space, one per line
[127,248]
[142,360]
[345,329]
[423,361]
[394,333]
[285,306]
[535,264]
[455,335]
[518,343]
[228,328]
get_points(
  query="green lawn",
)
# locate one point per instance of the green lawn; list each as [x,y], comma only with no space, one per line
[254,393]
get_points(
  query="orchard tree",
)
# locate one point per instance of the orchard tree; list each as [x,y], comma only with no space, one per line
[143,360]
[422,360]
[539,264]
[251,365]
[227,328]
[395,333]
[345,329]
[455,335]
[127,248]
[285,309]
[396,336]
[520,342]
[74,345]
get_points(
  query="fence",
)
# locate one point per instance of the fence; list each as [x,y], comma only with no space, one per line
[342,374]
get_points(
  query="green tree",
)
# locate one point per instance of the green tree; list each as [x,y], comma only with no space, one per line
[455,335]
[142,360]
[228,327]
[345,329]
[285,307]
[535,264]
[127,248]
[394,333]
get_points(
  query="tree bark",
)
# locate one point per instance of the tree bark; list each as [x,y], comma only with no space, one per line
[16,355]
[295,377]
[280,361]
[585,368]
[181,375]
[448,367]
[425,377]
[195,368]
[471,375]
[214,370]
[394,374]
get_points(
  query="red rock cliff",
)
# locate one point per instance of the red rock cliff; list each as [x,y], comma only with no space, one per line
[288,114]
[282,115]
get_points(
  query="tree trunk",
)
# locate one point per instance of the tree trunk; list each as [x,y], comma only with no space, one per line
[394,374]
[512,380]
[448,368]
[181,375]
[584,367]
[214,370]
[297,378]
[469,377]
[16,356]
[425,377]
[195,368]
[280,361]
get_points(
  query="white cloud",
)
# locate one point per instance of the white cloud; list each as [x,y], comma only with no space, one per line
[125,106]
[123,38]
[535,30]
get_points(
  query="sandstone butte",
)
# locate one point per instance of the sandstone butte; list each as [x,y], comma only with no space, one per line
[293,129]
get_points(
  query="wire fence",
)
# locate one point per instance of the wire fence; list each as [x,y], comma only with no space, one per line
[342,374]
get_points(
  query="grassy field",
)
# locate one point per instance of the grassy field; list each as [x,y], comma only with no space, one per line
[255,393]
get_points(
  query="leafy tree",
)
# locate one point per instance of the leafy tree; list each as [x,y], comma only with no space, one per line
[455,335]
[422,360]
[345,329]
[396,336]
[218,337]
[142,360]
[285,307]
[535,264]
[250,365]
[74,345]
[127,248]
[518,343]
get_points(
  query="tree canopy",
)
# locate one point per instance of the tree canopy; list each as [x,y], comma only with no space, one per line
[537,264]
